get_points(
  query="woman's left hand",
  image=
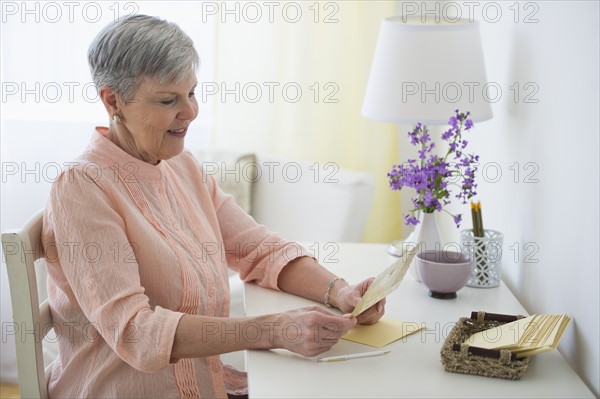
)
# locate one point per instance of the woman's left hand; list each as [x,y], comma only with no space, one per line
[349,296]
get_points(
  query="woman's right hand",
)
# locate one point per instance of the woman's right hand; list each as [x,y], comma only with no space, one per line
[311,330]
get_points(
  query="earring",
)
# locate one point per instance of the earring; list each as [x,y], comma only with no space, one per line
[117,119]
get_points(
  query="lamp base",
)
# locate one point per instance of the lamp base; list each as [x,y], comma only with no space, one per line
[395,248]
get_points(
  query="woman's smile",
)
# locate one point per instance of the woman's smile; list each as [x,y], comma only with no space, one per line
[179,133]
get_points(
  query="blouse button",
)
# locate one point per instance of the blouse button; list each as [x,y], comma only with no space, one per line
[215,368]
[176,226]
[211,292]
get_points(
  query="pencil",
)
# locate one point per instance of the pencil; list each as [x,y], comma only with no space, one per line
[480,248]
[477,219]
[352,356]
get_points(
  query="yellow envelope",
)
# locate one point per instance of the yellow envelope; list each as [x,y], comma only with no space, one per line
[503,336]
[525,337]
[385,331]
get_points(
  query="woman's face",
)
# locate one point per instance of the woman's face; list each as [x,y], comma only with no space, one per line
[155,121]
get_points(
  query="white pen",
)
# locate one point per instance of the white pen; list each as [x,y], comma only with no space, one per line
[352,356]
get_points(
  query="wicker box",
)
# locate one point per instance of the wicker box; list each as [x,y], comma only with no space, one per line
[459,357]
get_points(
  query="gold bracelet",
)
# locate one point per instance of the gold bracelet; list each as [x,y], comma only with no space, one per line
[329,287]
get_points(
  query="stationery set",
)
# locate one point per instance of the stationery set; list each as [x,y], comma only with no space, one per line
[500,346]
[486,344]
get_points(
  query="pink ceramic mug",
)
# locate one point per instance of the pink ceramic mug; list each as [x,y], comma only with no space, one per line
[444,272]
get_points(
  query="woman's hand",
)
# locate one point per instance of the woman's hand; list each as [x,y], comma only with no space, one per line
[310,331]
[348,297]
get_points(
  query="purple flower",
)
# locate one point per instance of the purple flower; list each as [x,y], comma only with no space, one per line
[447,135]
[453,121]
[410,219]
[432,176]
[414,139]
[457,220]
[425,137]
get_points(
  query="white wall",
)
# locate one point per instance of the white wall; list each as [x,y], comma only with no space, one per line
[558,215]
[548,211]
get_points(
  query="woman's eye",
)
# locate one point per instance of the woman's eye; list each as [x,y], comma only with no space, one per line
[167,102]
[192,94]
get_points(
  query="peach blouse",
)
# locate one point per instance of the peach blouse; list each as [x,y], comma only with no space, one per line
[130,248]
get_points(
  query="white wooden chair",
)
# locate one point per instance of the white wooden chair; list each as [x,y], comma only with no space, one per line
[32,320]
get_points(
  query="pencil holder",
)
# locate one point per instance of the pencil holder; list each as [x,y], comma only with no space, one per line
[486,253]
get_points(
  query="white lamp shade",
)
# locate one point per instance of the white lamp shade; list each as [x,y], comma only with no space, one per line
[422,72]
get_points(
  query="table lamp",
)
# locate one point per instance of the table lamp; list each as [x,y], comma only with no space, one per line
[423,70]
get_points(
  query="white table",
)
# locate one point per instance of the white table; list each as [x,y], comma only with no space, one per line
[413,367]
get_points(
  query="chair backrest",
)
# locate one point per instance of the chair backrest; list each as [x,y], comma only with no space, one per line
[312,202]
[32,320]
[299,200]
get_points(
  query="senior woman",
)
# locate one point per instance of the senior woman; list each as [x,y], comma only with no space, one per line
[138,293]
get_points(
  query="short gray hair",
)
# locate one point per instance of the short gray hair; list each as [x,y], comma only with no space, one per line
[139,46]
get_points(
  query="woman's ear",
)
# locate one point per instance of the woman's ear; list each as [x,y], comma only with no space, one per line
[111,100]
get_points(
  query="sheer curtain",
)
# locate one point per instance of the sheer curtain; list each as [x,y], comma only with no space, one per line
[293,84]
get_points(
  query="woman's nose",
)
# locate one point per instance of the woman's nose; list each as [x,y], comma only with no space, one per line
[189,110]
